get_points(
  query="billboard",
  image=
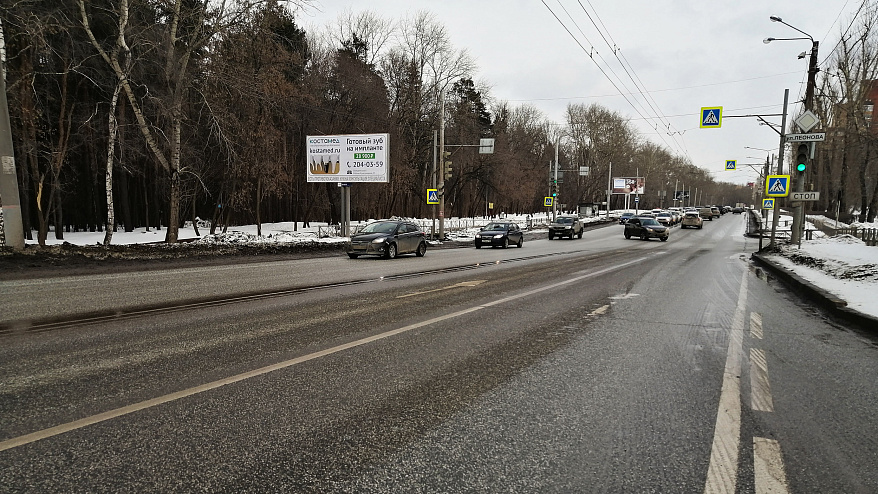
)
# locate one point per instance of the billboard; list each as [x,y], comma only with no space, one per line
[629,185]
[348,158]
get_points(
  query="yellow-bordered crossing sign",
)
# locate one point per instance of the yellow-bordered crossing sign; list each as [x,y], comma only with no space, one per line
[768,204]
[547,201]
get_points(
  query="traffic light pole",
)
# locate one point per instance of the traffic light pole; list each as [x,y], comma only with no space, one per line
[13,229]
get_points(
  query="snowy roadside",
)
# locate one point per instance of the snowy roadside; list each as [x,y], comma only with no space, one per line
[843,266]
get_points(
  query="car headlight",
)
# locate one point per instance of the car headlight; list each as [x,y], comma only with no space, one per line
[650,230]
[498,236]
[379,240]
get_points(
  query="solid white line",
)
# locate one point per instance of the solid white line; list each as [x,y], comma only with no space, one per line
[760,389]
[768,467]
[723,470]
[756,325]
[119,412]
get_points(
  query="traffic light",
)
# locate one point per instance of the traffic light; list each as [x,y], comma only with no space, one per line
[802,154]
[554,188]
[446,165]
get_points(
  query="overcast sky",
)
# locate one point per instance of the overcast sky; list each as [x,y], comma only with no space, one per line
[688,54]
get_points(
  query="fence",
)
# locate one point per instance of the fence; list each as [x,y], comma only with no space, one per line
[867,235]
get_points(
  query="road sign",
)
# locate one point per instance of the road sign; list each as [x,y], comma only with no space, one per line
[731,164]
[636,199]
[711,117]
[777,185]
[805,196]
[807,121]
[547,201]
[816,136]
[583,171]
[432,196]
[768,204]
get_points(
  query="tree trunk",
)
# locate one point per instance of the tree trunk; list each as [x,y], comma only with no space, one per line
[259,207]
[111,154]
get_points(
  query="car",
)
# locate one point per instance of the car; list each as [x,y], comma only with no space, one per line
[388,239]
[666,218]
[716,212]
[565,226]
[625,217]
[646,228]
[692,219]
[737,210]
[500,234]
[706,213]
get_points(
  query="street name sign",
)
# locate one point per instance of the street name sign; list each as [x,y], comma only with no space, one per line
[816,136]
[805,196]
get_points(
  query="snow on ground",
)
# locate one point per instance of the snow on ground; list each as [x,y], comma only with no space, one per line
[842,265]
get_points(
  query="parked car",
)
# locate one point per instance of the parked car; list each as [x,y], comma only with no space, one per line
[388,238]
[646,228]
[737,210]
[500,234]
[625,217]
[692,219]
[565,226]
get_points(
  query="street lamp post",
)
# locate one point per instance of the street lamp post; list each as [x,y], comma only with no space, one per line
[799,214]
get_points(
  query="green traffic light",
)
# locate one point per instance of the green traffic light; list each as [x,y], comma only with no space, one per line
[801,167]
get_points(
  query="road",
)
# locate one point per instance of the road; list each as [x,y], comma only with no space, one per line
[587,365]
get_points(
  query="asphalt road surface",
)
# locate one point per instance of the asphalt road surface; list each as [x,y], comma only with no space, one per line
[585,365]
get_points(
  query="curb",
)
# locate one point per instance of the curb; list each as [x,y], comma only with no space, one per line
[824,299]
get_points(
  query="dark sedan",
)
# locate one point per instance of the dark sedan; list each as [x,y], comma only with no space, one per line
[646,228]
[500,234]
[388,238]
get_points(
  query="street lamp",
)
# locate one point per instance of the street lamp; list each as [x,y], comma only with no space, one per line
[799,217]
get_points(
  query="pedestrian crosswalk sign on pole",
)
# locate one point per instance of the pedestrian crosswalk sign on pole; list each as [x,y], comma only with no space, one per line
[731,164]
[547,201]
[768,204]
[432,196]
[711,117]
[777,185]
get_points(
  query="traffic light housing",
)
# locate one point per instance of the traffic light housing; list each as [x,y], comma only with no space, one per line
[802,155]
[554,188]
[446,165]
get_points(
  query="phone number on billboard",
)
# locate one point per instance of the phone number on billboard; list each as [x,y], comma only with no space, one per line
[367,164]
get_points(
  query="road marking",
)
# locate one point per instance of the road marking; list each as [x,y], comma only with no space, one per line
[136,407]
[760,389]
[462,284]
[723,469]
[768,467]
[756,325]
[599,311]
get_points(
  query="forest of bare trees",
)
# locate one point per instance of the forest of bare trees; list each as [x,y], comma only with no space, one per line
[150,113]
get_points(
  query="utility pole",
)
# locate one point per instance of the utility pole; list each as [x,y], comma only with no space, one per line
[442,166]
[10,203]
[799,214]
[775,217]
[609,188]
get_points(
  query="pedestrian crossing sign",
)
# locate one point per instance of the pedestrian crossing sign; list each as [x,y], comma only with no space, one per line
[711,117]
[768,204]
[777,185]
[731,164]
[432,196]
[547,201]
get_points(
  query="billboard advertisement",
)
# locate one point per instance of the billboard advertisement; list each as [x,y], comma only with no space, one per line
[348,158]
[629,185]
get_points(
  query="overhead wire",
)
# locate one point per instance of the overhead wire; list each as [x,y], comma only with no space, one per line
[601,69]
